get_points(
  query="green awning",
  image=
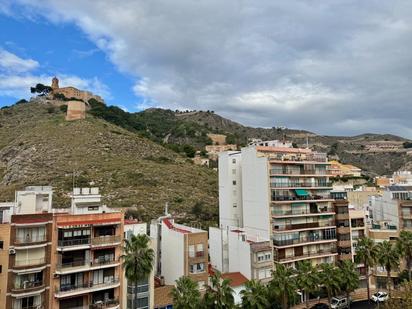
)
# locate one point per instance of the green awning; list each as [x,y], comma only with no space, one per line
[301,192]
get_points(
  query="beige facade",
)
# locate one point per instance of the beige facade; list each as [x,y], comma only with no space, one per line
[4,259]
[76,110]
[217,139]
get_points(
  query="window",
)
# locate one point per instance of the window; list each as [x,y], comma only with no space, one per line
[86,232]
[93,208]
[234,205]
[264,273]
[199,248]
[196,268]
[68,234]
[1,244]
[234,171]
[77,233]
[191,251]
[234,182]
[234,161]
[1,269]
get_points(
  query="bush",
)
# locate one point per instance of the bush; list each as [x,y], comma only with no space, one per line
[189,150]
[63,108]
[51,109]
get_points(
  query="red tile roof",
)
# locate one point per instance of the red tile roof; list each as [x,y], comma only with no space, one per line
[172,227]
[236,278]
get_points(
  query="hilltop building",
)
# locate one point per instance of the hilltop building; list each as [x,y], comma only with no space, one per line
[73,93]
[339,169]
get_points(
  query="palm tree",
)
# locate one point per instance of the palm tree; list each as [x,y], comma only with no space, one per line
[254,296]
[138,260]
[349,278]
[307,279]
[388,257]
[219,294]
[404,246]
[366,254]
[283,284]
[186,294]
[329,277]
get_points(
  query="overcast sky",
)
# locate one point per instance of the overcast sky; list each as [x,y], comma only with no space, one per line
[332,67]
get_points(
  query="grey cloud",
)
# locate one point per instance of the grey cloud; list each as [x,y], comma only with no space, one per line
[335,67]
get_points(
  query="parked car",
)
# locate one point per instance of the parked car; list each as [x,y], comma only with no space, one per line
[339,302]
[379,297]
[320,306]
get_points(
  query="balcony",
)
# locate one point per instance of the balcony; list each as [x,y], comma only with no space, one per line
[308,198]
[319,253]
[89,287]
[297,172]
[300,226]
[342,216]
[106,240]
[302,212]
[343,230]
[29,240]
[83,265]
[110,303]
[301,184]
[27,287]
[345,256]
[73,244]
[344,243]
[40,306]
[301,241]
[29,263]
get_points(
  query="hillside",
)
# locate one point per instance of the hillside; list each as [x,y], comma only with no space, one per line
[38,147]
[376,154]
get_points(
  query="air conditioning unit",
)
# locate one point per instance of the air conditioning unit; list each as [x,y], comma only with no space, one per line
[12,251]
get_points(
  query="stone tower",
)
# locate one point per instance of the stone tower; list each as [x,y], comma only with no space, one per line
[55,83]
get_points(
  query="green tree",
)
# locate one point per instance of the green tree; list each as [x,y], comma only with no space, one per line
[219,294]
[329,277]
[403,298]
[307,279]
[41,89]
[138,259]
[189,150]
[388,257]
[349,278]
[404,246]
[366,253]
[254,296]
[283,287]
[186,294]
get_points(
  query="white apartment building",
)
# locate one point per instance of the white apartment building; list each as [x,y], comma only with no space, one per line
[231,250]
[181,251]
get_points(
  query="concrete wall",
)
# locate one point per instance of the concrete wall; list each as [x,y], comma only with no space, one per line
[384,208]
[172,259]
[216,249]
[230,189]
[239,255]
[75,110]
[256,194]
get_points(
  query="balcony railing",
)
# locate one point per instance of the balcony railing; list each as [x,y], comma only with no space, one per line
[288,242]
[274,171]
[91,263]
[87,285]
[29,262]
[301,184]
[28,285]
[102,240]
[309,254]
[303,225]
[28,239]
[288,198]
[297,212]
[40,306]
[73,242]
[104,304]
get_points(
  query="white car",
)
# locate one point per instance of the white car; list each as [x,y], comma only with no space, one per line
[379,297]
[339,303]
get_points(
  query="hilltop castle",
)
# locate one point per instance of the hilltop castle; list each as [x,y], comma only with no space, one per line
[73,93]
